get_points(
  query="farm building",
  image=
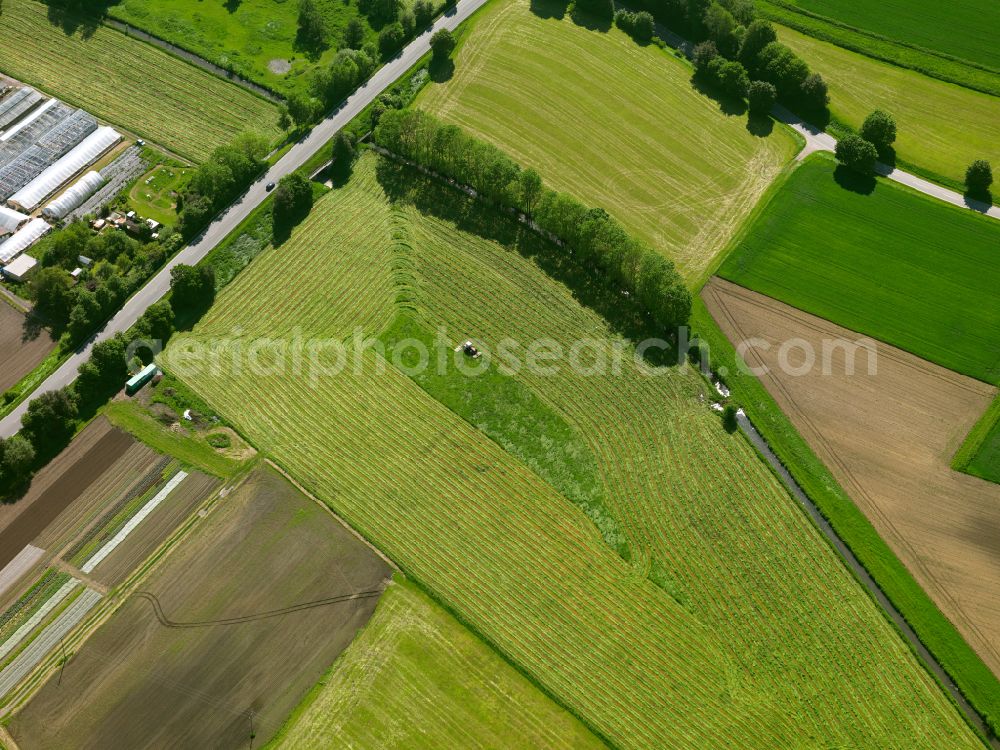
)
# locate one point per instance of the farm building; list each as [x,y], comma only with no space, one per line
[20,267]
[86,153]
[74,196]
[22,239]
[27,132]
[62,139]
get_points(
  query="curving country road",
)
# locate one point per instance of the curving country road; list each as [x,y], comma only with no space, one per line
[228,220]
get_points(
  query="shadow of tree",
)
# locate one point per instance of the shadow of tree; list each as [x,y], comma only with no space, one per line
[589,286]
[233,5]
[981,201]
[590,21]
[729,105]
[32,327]
[73,17]
[854,181]
[439,70]
[760,125]
[550,8]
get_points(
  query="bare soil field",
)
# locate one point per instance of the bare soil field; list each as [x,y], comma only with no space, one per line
[142,542]
[61,482]
[889,438]
[20,351]
[242,618]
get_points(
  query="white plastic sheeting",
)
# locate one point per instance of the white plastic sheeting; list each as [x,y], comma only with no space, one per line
[22,239]
[25,122]
[74,196]
[10,219]
[86,153]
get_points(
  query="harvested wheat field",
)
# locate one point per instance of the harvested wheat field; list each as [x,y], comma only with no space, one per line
[889,438]
[21,350]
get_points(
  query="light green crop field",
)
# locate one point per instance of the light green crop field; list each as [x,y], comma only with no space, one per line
[416,678]
[254,38]
[615,124]
[966,30]
[895,265]
[732,623]
[979,455]
[129,83]
[942,127]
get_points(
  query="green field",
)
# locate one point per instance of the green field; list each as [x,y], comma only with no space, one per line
[614,124]
[415,678]
[942,127]
[979,454]
[732,623]
[895,265]
[966,30]
[129,83]
[248,37]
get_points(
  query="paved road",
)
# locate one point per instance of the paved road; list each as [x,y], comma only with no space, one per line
[817,140]
[298,155]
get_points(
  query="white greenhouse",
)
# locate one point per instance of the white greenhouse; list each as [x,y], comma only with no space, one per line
[10,220]
[22,239]
[86,153]
[74,196]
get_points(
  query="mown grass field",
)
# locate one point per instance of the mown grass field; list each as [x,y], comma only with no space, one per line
[129,83]
[615,124]
[470,696]
[942,127]
[966,30]
[244,36]
[732,621]
[900,267]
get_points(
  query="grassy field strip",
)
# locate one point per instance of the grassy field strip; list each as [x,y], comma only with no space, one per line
[672,513]
[20,565]
[672,168]
[40,614]
[133,522]
[753,629]
[414,677]
[929,142]
[964,31]
[28,659]
[129,83]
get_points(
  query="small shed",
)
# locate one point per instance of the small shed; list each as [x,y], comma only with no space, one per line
[20,267]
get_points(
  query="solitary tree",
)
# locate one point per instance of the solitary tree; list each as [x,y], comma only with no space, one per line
[343,150]
[979,177]
[442,44]
[879,128]
[293,198]
[729,418]
[761,96]
[16,459]
[855,152]
[49,420]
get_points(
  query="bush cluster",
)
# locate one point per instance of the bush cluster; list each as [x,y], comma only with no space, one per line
[598,242]
[640,26]
[121,264]
[228,172]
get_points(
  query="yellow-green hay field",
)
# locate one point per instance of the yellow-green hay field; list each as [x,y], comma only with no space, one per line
[756,635]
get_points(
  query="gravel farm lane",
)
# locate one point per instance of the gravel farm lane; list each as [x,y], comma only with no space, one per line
[229,219]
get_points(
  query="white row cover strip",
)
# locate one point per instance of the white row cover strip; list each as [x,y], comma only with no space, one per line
[84,154]
[74,197]
[134,521]
[28,659]
[39,111]
[22,239]
[32,622]
[20,565]
[11,219]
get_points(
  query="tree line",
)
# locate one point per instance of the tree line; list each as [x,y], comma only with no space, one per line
[598,243]
[226,173]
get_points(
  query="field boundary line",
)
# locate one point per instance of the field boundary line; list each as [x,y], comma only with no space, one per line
[354,532]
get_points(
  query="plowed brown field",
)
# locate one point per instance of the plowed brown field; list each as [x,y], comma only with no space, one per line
[888,438]
[19,353]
